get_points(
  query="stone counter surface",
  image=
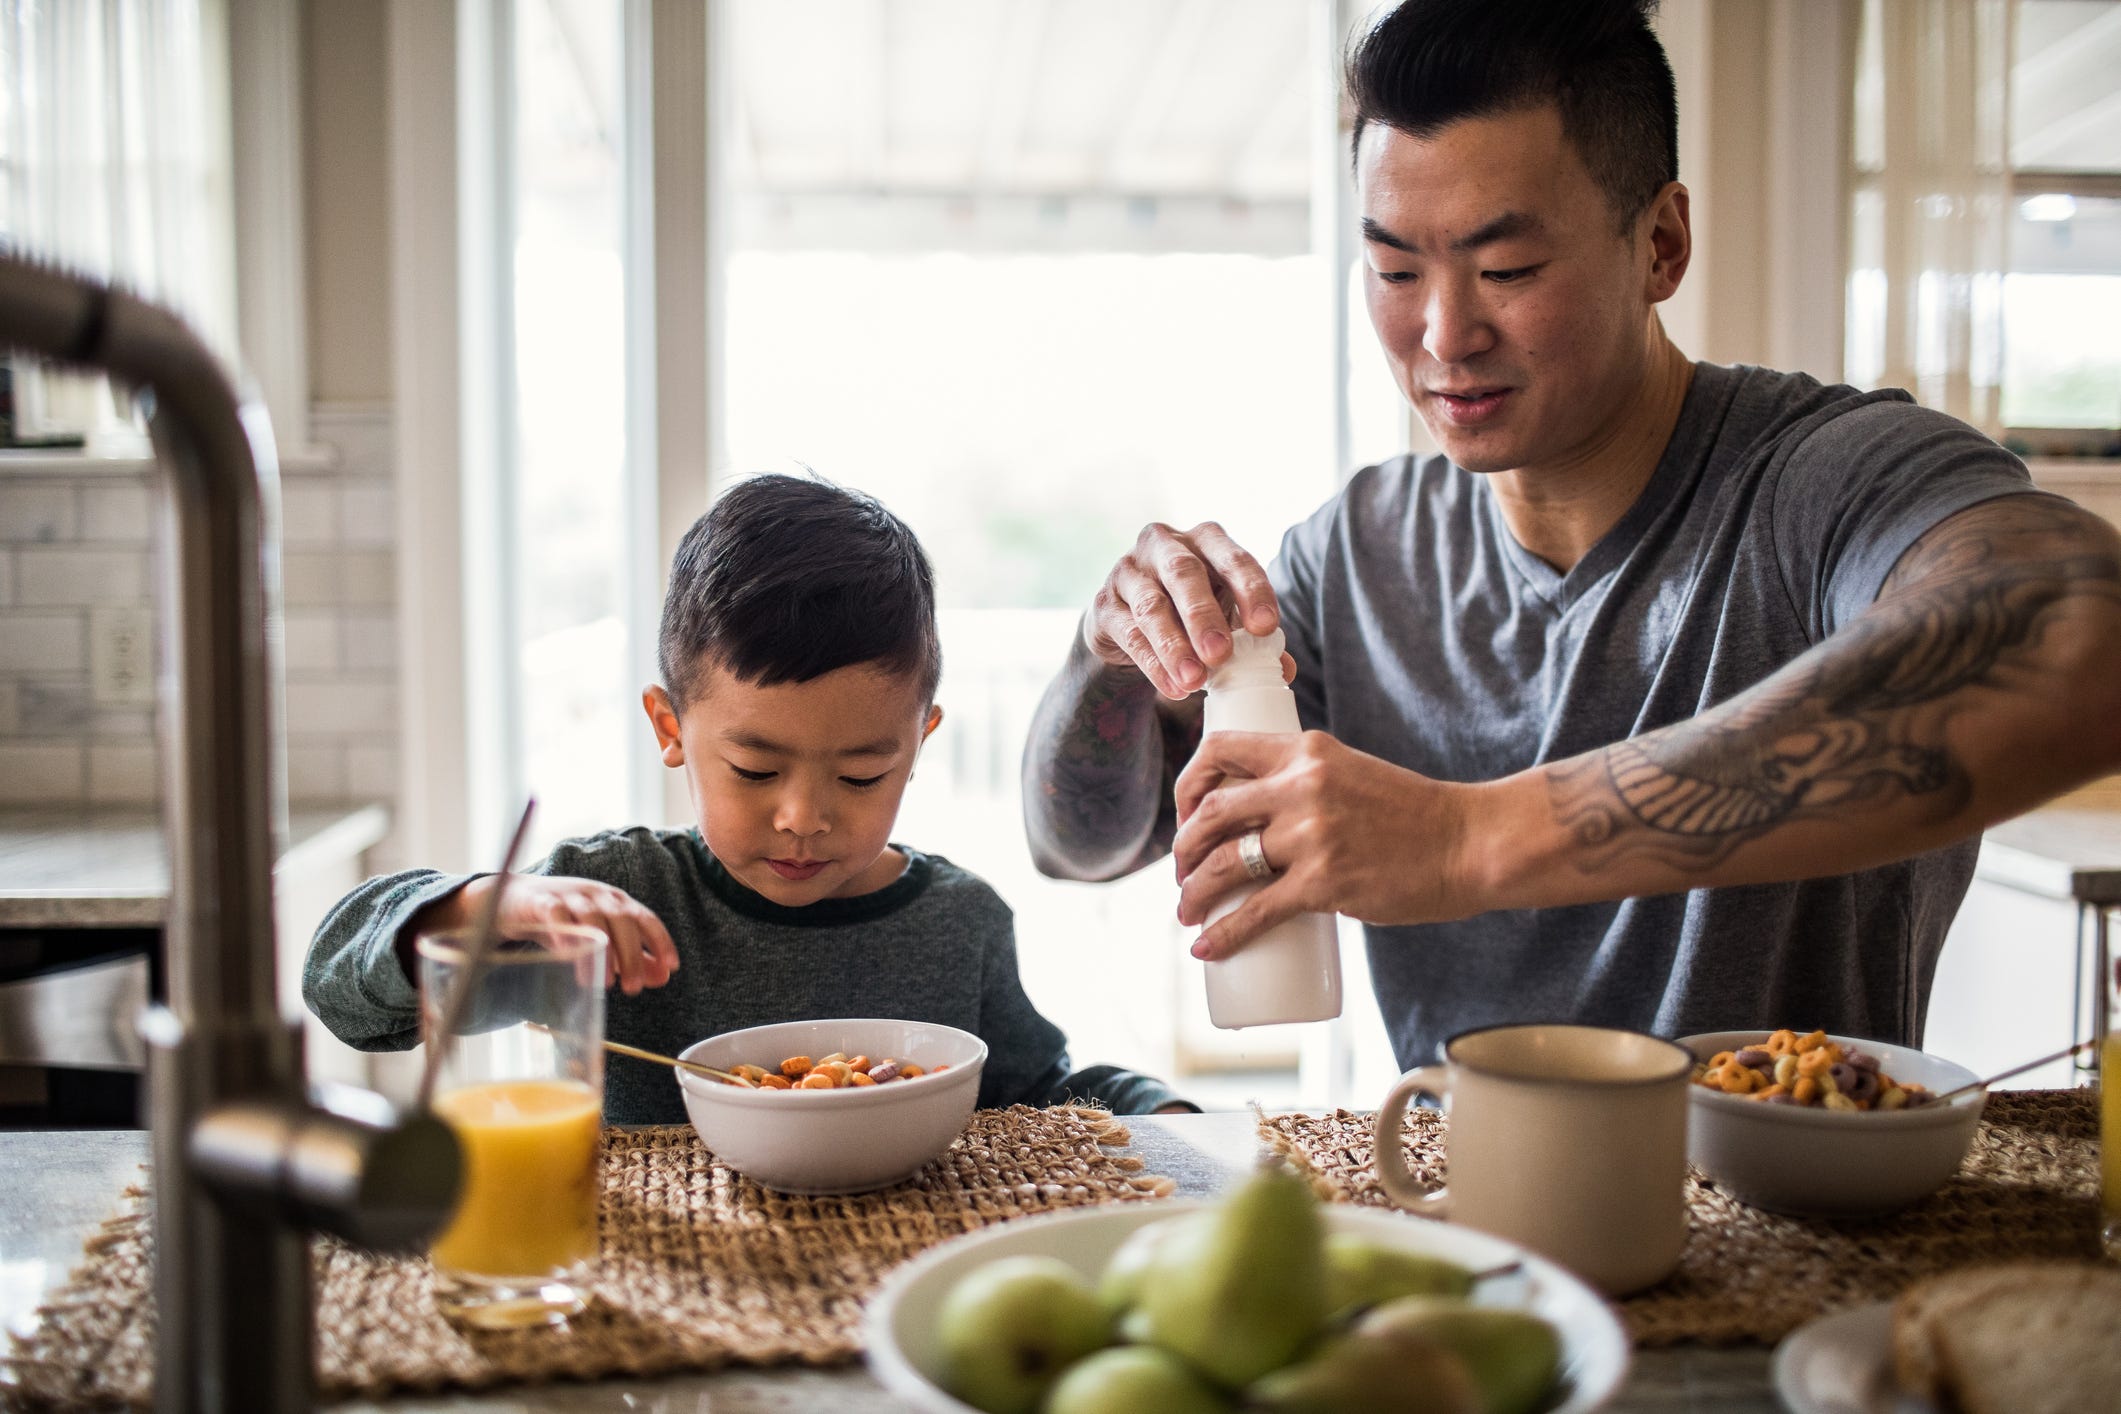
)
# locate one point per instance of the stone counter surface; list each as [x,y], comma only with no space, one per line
[110,868]
[58,1186]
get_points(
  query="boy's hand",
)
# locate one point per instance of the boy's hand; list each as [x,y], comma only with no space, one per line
[640,953]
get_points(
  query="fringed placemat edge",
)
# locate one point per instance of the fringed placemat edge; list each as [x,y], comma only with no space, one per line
[688,1212]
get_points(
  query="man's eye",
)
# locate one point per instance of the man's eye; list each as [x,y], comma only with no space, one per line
[744,775]
[1508,277]
[863,782]
[1395,277]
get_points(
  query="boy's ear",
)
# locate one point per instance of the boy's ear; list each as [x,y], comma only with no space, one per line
[935,719]
[663,716]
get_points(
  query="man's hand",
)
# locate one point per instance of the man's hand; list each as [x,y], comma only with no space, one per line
[1161,608]
[1344,831]
[639,954]
[1120,719]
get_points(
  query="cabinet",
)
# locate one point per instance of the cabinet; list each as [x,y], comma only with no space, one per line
[82,897]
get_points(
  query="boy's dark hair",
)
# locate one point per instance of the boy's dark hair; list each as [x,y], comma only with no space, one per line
[786,579]
[1430,63]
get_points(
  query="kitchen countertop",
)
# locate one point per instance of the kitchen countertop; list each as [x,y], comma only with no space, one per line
[108,868]
[61,1184]
[2069,848]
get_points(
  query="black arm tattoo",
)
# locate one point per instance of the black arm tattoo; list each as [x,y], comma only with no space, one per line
[1099,764]
[1861,718]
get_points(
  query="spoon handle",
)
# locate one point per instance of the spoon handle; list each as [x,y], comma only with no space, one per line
[672,1061]
[2007,1074]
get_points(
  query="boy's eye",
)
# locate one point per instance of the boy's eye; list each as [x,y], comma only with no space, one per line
[744,775]
[863,782]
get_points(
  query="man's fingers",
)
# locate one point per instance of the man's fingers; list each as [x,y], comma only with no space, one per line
[1233,808]
[1240,576]
[1222,872]
[1151,613]
[1224,756]
[1254,916]
[1191,587]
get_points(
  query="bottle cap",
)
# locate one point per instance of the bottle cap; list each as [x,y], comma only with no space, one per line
[1255,659]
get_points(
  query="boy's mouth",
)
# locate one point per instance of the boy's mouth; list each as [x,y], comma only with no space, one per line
[796,869]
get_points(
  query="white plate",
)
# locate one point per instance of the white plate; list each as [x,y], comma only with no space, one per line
[900,1324]
[1842,1364]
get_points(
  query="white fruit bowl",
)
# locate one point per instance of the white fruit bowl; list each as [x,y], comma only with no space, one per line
[905,1354]
[1815,1162]
[834,1141]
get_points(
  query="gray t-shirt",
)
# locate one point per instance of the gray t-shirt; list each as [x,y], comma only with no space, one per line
[1426,635]
[937,945]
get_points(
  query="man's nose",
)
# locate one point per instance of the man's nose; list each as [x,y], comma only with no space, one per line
[1455,325]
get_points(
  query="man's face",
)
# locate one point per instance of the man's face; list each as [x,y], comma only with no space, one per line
[1516,318]
[796,786]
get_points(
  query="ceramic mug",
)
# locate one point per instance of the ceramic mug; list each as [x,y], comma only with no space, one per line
[1569,1140]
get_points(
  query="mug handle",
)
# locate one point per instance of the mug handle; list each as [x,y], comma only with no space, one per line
[1399,1185]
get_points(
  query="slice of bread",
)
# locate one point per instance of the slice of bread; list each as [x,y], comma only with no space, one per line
[2021,1338]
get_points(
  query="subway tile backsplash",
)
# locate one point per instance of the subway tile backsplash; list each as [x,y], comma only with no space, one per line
[73,544]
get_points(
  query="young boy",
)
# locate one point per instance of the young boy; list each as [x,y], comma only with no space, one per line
[799,659]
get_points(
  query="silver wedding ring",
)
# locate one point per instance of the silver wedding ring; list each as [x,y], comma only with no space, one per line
[1253,851]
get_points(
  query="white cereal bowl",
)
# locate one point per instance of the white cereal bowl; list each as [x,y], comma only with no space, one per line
[905,1354]
[834,1141]
[1826,1163]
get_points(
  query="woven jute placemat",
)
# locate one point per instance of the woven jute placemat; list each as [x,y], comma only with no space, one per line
[699,1268]
[2029,1187]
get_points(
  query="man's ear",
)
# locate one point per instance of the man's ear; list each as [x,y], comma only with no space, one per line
[1671,242]
[935,719]
[663,716]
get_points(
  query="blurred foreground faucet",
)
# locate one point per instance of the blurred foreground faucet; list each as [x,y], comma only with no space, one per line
[245,1166]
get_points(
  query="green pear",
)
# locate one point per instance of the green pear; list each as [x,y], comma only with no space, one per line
[1009,1328]
[1243,1291]
[1513,1356]
[1362,1373]
[1361,1273]
[1134,1379]
[1122,1277]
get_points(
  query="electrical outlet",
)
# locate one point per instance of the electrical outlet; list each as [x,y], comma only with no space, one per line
[121,656]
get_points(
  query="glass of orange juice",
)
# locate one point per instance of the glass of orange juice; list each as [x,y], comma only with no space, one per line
[2110,1110]
[522,1084]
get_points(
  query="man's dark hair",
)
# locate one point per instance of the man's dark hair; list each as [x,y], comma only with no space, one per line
[1430,63]
[786,579]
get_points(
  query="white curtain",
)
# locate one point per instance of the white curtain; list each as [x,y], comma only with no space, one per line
[116,162]
[1931,213]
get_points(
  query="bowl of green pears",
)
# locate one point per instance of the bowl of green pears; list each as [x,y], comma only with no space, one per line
[1264,1301]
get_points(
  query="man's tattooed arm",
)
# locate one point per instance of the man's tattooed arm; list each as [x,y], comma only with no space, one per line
[1103,751]
[1986,677]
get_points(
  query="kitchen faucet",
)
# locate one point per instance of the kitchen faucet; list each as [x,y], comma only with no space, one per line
[245,1164]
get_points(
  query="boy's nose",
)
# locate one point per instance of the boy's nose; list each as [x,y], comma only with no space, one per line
[798,814]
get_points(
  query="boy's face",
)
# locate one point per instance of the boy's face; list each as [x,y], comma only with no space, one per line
[796,786]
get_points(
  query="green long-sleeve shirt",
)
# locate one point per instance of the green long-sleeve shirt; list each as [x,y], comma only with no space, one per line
[936,945]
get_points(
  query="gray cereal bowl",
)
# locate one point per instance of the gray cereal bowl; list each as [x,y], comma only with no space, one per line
[1811,1162]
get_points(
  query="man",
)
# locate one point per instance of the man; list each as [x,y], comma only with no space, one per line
[1670,695]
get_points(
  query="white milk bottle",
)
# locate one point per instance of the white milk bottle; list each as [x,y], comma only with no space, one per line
[1291,972]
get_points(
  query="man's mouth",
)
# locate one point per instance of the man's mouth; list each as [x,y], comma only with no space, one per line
[1469,406]
[796,869]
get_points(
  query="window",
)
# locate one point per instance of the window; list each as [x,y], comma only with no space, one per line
[1035,276]
[1986,219]
[114,158]
[2062,289]
[573,717]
